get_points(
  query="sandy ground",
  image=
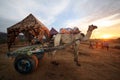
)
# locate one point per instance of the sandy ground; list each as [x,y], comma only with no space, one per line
[96,64]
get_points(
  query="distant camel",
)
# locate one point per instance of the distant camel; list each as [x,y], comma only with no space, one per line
[68,38]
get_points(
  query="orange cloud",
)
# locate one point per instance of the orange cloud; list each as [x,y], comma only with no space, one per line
[113,31]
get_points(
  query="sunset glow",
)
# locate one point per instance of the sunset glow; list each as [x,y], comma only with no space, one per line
[106,16]
[106,36]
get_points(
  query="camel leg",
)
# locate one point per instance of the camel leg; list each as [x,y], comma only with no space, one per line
[76,54]
[56,43]
[53,59]
[76,59]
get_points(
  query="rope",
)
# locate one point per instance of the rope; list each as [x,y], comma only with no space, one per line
[94,35]
[59,47]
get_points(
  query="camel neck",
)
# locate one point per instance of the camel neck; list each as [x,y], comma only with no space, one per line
[88,35]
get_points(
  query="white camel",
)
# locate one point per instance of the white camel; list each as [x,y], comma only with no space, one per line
[68,38]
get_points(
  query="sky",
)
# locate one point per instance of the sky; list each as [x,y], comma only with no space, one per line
[65,13]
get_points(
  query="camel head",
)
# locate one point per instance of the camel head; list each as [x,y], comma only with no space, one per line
[92,27]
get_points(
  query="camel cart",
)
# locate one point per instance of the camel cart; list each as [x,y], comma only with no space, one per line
[26,59]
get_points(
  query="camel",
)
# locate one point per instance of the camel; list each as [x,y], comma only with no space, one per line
[68,38]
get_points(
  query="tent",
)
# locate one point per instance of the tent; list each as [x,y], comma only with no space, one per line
[30,26]
[53,32]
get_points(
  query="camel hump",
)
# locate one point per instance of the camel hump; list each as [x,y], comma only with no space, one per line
[65,30]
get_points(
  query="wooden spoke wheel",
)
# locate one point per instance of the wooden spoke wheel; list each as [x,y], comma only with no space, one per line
[25,64]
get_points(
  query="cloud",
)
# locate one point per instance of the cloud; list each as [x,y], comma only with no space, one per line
[86,21]
[99,8]
[87,12]
[66,13]
[45,10]
[80,23]
[52,11]
[108,21]
[19,9]
[5,23]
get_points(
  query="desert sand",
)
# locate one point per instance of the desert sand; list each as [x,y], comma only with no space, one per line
[96,64]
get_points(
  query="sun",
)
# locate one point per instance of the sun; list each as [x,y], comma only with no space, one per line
[106,36]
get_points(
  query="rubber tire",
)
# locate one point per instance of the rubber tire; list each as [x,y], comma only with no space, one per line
[29,59]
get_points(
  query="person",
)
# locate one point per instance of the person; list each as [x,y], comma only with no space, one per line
[91,45]
[106,45]
[76,30]
[97,44]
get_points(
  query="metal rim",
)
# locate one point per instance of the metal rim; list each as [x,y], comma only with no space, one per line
[24,65]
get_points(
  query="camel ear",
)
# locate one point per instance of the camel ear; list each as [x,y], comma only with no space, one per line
[82,34]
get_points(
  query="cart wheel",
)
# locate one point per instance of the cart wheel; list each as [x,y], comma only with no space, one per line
[24,64]
[36,60]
